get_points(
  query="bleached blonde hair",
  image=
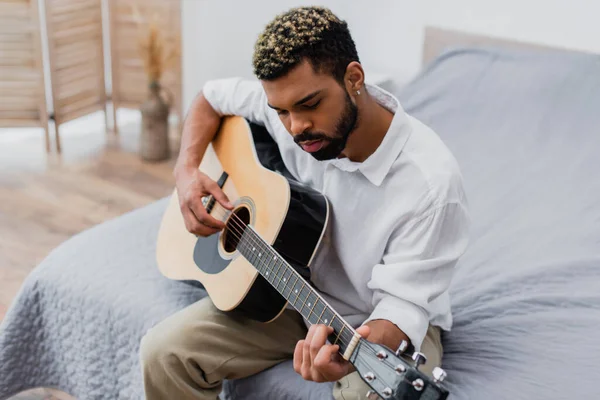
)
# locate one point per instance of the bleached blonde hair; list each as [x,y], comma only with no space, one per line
[312,33]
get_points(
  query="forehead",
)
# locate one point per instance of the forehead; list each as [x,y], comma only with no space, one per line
[299,82]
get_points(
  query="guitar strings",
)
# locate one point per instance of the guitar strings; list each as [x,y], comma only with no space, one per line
[343,334]
[241,225]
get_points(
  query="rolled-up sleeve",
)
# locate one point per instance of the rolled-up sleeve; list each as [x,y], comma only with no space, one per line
[417,268]
[238,96]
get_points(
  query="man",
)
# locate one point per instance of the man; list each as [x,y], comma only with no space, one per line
[399,216]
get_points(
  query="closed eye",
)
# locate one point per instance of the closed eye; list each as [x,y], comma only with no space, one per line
[312,106]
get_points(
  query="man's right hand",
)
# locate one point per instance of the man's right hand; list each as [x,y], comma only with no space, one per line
[192,185]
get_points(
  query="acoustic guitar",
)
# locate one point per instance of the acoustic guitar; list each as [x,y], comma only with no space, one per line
[260,263]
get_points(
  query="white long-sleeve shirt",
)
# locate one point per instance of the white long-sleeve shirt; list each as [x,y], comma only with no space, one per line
[399,219]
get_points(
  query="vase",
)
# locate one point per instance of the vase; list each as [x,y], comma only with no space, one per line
[154,139]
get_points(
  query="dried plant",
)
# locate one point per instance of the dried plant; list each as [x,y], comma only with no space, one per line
[157,52]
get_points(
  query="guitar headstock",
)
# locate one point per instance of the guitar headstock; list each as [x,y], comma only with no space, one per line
[392,377]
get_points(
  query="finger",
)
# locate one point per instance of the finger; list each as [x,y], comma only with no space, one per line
[203,217]
[298,356]
[327,365]
[326,356]
[306,361]
[364,331]
[318,340]
[219,195]
[194,226]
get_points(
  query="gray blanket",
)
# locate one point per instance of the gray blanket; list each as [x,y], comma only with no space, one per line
[525,130]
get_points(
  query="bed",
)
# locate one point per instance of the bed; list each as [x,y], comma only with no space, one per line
[524,124]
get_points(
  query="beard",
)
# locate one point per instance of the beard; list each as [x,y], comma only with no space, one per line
[345,125]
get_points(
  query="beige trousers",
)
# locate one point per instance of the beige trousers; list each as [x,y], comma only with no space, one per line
[188,355]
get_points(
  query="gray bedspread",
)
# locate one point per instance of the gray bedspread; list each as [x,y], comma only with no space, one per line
[526,298]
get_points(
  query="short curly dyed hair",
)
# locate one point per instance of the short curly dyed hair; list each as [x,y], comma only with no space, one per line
[312,33]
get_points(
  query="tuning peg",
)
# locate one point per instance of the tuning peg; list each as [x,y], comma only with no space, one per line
[439,375]
[369,394]
[401,348]
[419,358]
[369,376]
[418,384]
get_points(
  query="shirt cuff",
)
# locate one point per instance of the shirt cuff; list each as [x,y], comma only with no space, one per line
[409,318]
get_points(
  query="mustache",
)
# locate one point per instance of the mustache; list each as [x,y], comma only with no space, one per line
[306,136]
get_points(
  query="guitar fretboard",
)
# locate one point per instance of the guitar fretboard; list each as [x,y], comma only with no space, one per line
[299,293]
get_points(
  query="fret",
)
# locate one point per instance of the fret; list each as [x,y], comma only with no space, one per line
[250,243]
[243,245]
[275,272]
[297,291]
[250,247]
[286,280]
[264,260]
[272,271]
[272,263]
[284,270]
[304,302]
[319,311]
[331,322]
[258,258]
[328,317]
[322,312]
[311,309]
[269,270]
[310,302]
[293,289]
[337,336]
[339,333]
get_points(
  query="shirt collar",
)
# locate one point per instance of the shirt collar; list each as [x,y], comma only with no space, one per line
[377,165]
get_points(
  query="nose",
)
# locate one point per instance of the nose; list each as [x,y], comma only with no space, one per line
[298,124]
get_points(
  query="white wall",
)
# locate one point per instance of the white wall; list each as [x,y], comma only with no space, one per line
[218,36]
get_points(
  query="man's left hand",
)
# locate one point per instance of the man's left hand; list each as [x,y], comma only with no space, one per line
[318,361]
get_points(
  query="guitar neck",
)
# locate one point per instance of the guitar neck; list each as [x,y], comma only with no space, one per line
[290,284]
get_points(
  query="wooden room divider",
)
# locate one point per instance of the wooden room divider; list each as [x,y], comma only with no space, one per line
[76,56]
[76,59]
[22,86]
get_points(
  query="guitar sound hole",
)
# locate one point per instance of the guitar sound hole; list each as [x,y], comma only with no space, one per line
[234,228]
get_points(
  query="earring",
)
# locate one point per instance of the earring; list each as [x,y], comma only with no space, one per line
[358,92]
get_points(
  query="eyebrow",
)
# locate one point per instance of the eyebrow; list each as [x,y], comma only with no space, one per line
[302,100]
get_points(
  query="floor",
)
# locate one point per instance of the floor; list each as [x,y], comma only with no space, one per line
[45,199]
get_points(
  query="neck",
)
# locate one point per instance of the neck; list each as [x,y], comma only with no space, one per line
[374,122]
[298,292]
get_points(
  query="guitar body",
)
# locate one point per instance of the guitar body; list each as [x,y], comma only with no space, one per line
[289,216]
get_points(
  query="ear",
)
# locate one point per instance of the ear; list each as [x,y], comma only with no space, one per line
[354,78]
